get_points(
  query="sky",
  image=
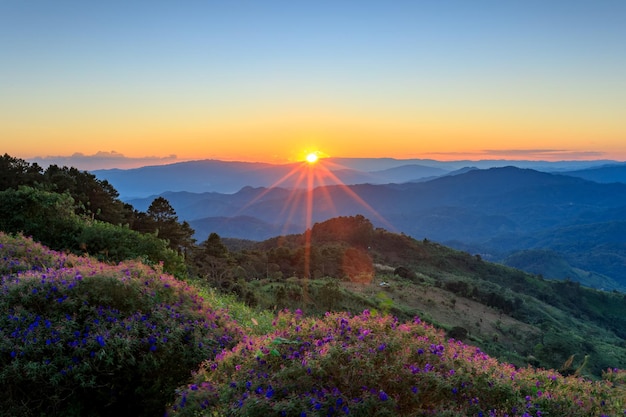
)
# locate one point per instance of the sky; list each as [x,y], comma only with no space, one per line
[151,82]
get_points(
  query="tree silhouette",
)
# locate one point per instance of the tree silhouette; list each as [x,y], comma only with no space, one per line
[162,220]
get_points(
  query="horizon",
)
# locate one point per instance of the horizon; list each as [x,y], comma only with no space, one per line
[160,83]
[114,160]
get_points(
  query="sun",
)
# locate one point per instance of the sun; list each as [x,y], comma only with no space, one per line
[312,158]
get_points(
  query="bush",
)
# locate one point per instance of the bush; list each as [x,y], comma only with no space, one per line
[20,253]
[112,243]
[377,366]
[48,216]
[78,337]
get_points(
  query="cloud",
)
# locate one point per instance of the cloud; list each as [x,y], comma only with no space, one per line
[544,153]
[531,154]
[103,160]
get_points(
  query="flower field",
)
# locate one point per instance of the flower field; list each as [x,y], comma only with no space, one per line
[83,338]
[79,337]
[368,365]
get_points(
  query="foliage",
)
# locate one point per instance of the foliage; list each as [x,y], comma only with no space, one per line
[271,276]
[48,216]
[68,209]
[15,172]
[78,337]
[93,197]
[356,231]
[553,265]
[254,321]
[161,220]
[117,243]
[370,365]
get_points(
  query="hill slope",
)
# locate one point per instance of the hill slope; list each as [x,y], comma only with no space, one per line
[511,314]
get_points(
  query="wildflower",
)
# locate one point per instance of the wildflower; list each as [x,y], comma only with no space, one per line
[382,395]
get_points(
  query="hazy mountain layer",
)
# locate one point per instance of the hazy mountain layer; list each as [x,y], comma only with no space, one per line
[494,212]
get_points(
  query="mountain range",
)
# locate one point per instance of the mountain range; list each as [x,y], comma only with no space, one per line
[557,224]
[231,176]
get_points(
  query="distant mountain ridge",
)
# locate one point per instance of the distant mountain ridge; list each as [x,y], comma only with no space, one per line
[605,173]
[230,176]
[494,212]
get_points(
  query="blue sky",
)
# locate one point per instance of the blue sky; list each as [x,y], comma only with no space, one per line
[263,80]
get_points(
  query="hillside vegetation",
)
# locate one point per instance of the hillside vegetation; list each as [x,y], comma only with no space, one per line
[80,337]
[120,306]
[517,316]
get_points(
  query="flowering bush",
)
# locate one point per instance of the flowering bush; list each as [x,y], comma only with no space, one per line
[369,365]
[78,337]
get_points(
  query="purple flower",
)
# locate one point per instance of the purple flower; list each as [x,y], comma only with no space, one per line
[382,395]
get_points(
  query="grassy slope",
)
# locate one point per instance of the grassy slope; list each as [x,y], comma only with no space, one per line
[550,321]
[515,316]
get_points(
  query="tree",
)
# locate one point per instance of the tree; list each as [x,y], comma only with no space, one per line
[212,261]
[213,246]
[161,211]
[15,172]
[161,219]
[95,198]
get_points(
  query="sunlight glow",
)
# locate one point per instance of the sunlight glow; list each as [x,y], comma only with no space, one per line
[308,192]
[312,158]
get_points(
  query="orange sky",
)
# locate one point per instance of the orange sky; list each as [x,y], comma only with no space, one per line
[528,81]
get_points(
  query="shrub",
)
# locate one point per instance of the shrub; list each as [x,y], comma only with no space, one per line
[112,243]
[48,216]
[20,253]
[376,366]
[78,337]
